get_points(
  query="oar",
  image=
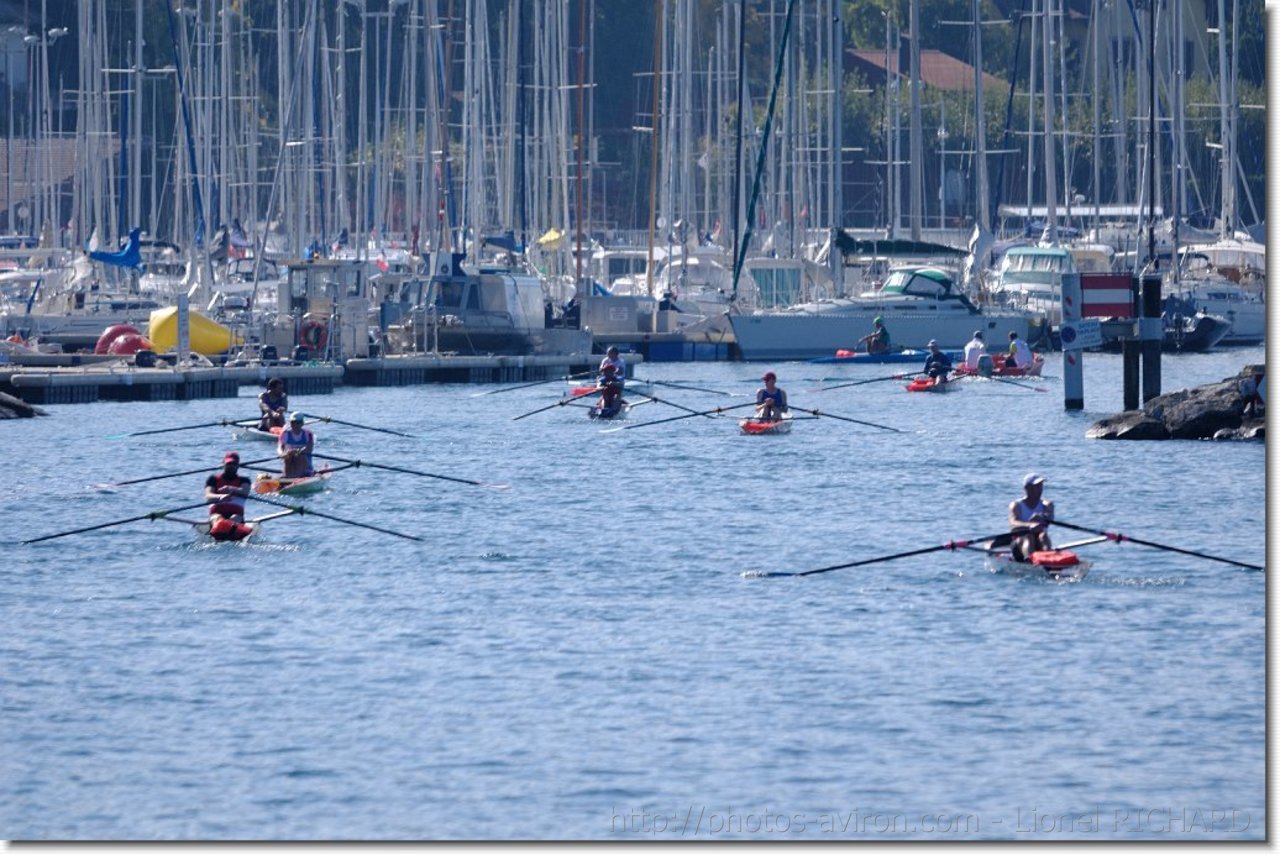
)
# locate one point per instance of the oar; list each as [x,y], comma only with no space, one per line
[1120,538]
[218,423]
[303,511]
[577,376]
[899,376]
[951,544]
[355,425]
[827,415]
[562,402]
[687,388]
[677,406]
[153,515]
[359,463]
[716,411]
[248,464]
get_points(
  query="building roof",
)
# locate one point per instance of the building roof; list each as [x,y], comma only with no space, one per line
[937,69]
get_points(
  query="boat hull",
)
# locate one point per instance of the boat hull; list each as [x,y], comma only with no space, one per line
[1004,564]
[266,483]
[926,384]
[755,427]
[905,357]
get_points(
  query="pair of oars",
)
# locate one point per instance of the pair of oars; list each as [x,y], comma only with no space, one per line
[243,423]
[1003,539]
[300,510]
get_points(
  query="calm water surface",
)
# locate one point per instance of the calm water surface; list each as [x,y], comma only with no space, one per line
[581,656]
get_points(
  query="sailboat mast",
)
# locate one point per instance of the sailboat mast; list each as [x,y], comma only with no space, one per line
[1050,128]
[980,126]
[917,129]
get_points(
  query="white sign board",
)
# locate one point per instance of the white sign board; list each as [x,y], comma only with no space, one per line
[1077,335]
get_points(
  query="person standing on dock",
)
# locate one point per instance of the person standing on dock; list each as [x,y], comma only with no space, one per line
[273,402]
[771,401]
[877,340]
[937,365]
[974,350]
[1019,353]
[227,490]
[1029,519]
[295,447]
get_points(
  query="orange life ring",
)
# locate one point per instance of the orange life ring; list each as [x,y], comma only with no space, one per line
[314,334]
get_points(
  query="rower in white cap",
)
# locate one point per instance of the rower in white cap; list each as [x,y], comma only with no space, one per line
[1029,519]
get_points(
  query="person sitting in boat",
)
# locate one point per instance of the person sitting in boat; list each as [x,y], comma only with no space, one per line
[1029,519]
[295,447]
[274,403]
[937,365]
[974,350]
[1019,353]
[771,401]
[610,384]
[227,490]
[877,340]
[611,357]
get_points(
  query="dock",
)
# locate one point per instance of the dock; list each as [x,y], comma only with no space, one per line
[86,378]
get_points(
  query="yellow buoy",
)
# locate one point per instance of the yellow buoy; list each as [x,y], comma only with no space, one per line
[207,337]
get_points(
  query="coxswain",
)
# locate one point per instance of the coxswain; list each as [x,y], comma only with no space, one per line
[771,400]
[273,402]
[295,447]
[226,491]
[1029,519]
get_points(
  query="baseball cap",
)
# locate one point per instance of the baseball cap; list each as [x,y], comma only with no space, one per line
[769,375]
[231,457]
[295,417]
[1032,478]
[878,321]
[933,342]
[977,333]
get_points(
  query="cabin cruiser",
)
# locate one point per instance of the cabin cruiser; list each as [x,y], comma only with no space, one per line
[917,303]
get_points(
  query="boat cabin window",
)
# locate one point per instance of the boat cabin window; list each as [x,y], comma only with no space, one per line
[921,283]
[452,293]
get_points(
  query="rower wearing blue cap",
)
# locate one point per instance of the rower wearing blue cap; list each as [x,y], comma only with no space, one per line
[295,448]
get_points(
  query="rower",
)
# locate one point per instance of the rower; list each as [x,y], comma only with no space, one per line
[273,402]
[974,350]
[1029,519]
[937,365]
[612,357]
[227,491]
[610,385]
[295,447]
[771,401]
[877,340]
[1019,353]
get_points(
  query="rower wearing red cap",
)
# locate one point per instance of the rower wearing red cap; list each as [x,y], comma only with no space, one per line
[227,490]
[771,401]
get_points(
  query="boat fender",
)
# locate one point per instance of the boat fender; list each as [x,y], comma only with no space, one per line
[110,334]
[314,334]
[1055,558]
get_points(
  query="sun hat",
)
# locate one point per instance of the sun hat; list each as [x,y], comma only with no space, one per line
[1032,479]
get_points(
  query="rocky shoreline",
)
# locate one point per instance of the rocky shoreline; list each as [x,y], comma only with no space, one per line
[16,408]
[1230,409]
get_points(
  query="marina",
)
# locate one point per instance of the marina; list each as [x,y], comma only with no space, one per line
[500,420]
